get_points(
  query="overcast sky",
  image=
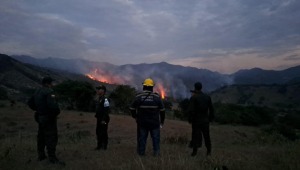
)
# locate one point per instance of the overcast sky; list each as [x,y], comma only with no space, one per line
[219,35]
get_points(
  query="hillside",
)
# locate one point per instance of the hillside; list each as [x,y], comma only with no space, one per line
[260,76]
[275,96]
[236,147]
[176,80]
[19,79]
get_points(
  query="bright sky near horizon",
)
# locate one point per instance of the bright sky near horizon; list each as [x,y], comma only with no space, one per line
[222,36]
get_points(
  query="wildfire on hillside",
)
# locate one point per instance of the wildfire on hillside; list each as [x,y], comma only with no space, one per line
[161,91]
[107,77]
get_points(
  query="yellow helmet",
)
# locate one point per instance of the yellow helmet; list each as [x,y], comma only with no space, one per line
[148,82]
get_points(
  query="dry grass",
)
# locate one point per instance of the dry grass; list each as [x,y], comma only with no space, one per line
[236,147]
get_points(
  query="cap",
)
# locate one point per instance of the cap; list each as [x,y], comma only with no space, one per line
[101,87]
[47,80]
[197,87]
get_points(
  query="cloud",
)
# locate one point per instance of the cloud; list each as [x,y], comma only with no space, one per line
[233,60]
[187,32]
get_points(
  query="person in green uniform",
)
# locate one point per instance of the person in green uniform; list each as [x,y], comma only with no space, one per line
[47,109]
[201,112]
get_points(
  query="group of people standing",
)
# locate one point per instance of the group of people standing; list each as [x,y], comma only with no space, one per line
[147,109]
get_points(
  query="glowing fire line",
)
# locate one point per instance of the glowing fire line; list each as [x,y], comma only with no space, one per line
[161,90]
[106,77]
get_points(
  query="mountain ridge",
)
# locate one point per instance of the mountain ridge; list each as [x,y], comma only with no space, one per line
[176,80]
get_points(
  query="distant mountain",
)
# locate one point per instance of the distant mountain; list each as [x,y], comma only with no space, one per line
[284,97]
[260,76]
[19,79]
[174,80]
[70,65]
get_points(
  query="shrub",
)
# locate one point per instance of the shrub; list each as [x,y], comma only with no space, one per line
[76,95]
[122,97]
[246,115]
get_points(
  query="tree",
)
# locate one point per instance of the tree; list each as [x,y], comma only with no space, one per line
[76,94]
[122,97]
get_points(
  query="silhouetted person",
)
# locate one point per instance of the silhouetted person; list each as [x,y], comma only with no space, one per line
[102,115]
[201,112]
[149,112]
[44,103]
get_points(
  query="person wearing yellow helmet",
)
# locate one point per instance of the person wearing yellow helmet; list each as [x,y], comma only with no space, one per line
[149,112]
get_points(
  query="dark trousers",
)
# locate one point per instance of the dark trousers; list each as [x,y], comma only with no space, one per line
[199,130]
[47,137]
[142,135]
[102,135]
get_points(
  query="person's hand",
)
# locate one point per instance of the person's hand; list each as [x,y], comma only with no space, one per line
[103,122]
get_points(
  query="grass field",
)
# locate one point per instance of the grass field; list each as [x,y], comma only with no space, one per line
[236,147]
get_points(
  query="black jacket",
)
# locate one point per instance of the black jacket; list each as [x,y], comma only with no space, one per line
[102,109]
[200,109]
[44,103]
[148,109]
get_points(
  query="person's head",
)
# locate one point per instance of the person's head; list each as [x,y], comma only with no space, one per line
[47,81]
[101,90]
[148,84]
[197,87]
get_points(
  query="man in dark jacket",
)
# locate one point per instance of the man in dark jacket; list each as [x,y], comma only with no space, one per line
[201,112]
[149,112]
[44,103]
[102,115]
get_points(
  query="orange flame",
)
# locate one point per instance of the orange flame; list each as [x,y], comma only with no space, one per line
[105,77]
[161,90]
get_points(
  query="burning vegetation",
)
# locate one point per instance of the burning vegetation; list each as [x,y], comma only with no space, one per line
[110,78]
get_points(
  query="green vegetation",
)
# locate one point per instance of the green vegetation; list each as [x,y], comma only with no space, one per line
[76,95]
[273,120]
[122,97]
[245,115]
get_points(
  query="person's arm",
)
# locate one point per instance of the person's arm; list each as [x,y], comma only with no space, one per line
[191,109]
[211,111]
[162,112]
[133,108]
[106,109]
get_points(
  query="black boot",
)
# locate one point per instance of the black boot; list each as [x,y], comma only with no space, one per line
[104,146]
[53,159]
[41,156]
[194,153]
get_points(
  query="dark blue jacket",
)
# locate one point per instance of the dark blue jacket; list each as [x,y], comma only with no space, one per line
[148,109]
